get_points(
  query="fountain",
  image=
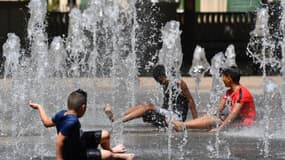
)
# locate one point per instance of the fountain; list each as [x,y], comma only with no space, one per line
[272,119]
[12,54]
[57,55]
[98,55]
[282,28]
[218,62]
[199,67]
[78,61]
[170,55]
[260,46]
[264,54]
[230,56]
[67,64]
[217,87]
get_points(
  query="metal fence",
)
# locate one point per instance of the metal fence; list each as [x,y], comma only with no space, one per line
[214,32]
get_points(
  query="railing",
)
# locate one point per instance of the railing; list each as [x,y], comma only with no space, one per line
[214,32]
[224,18]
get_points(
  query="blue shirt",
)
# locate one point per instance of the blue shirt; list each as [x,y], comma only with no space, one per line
[66,124]
[69,126]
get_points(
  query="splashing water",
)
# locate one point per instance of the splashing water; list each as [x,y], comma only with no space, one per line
[57,55]
[11,52]
[199,67]
[170,56]
[217,88]
[106,52]
[272,113]
[47,73]
[218,62]
[260,46]
[282,28]
[230,56]
[77,44]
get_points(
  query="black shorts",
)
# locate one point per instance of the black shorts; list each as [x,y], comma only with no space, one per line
[154,118]
[90,141]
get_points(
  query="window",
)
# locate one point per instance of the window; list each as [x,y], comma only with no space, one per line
[226,5]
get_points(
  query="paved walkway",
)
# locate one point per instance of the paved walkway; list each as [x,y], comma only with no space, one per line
[255,83]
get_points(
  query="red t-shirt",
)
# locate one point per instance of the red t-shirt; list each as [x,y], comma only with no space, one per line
[244,97]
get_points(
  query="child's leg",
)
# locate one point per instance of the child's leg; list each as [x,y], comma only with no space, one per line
[138,111]
[110,114]
[105,140]
[105,143]
[132,113]
[105,154]
[204,122]
[130,110]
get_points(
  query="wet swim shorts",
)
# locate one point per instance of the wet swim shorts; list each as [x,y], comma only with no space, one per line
[154,118]
[90,141]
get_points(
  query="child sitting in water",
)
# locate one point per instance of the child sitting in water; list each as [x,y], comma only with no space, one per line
[71,142]
[237,98]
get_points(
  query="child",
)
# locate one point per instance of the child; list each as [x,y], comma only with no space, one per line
[240,102]
[156,114]
[71,143]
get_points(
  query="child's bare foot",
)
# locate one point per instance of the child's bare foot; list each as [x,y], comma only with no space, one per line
[178,126]
[119,149]
[108,112]
[130,156]
[125,156]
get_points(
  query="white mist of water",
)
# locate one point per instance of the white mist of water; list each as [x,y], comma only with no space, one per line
[260,46]
[170,55]
[217,88]
[11,52]
[57,57]
[283,76]
[47,74]
[76,44]
[119,25]
[38,37]
[199,67]
[270,119]
[230,55]
[282,28]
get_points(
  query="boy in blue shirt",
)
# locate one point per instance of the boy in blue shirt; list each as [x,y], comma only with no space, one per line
[71,142]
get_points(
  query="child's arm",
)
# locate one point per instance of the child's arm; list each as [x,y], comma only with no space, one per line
[47,122]
[59,144]
[233,114]
[191,103]
[221,107]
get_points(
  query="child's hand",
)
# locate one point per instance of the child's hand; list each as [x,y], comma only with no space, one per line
[34,105]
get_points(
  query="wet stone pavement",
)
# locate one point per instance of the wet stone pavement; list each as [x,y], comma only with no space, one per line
[150,143]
